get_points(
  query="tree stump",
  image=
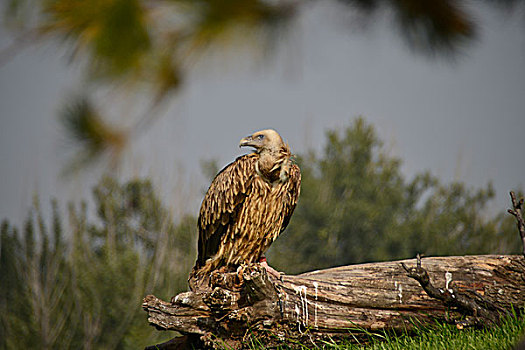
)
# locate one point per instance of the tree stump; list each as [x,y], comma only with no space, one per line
[239,307]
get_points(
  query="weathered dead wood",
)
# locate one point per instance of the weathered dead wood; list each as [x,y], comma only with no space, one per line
[231,308]
[516,211]
[332,303]
[475,305]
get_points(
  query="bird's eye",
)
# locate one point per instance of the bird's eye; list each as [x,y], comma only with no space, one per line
[260,137]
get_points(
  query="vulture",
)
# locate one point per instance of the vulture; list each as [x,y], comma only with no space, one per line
[248,204]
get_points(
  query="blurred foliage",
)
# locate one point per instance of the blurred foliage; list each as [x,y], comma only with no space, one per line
[428,26]
[356,206]
[85,128]
[146,49]
[81,286]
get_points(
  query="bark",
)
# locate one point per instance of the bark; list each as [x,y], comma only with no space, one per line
[516,211]
[342,302]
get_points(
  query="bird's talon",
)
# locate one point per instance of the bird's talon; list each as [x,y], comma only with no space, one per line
[271,271]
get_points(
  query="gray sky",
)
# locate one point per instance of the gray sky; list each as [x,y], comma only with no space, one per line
[462,120]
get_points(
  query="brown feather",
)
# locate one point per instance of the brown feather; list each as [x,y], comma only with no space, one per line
[249,203]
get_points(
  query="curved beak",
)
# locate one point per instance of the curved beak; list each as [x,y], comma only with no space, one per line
[247,141]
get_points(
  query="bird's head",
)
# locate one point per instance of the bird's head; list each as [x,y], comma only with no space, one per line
[264,140]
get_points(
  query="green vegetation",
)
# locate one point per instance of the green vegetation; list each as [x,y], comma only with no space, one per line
[356,206]
[445,337]
[78,283]
[82,288]
[440,337]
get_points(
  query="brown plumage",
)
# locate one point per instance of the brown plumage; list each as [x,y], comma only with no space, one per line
[248,204]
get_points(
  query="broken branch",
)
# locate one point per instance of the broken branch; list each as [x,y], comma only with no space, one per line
[517,213]
[482,310]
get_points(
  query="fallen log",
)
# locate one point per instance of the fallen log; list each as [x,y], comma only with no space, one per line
[239,307]
[233,309]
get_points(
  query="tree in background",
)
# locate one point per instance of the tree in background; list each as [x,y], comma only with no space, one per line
[81,287]
[356,206]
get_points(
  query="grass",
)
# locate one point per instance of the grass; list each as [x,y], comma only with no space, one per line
[445,337]
[440,337]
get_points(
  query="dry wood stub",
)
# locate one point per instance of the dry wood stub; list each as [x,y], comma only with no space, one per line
[333,302]
[517,212]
